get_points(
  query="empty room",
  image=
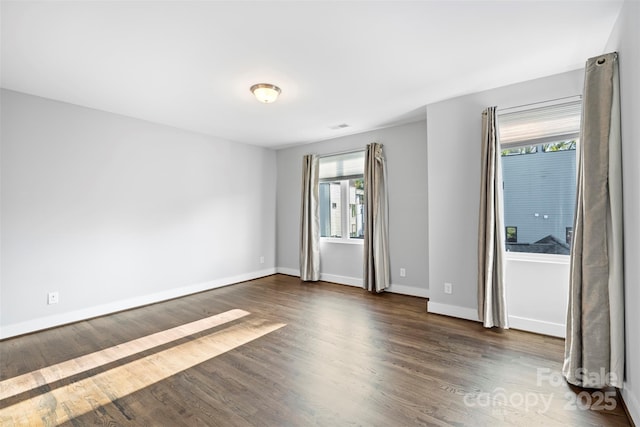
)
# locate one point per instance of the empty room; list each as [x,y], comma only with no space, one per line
[330,213]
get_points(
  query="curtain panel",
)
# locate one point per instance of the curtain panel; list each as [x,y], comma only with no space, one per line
[310,221]
[594,346]
[492,298]
[377,272]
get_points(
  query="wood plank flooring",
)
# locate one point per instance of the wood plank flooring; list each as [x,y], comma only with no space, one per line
[304,355]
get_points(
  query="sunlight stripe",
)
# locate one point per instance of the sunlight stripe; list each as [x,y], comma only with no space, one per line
[76,399]
[69,368]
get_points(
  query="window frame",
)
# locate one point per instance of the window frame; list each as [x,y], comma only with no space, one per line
[530,256]
[344,212]
[344,176]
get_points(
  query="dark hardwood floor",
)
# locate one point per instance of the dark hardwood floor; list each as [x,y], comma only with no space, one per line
[306,354]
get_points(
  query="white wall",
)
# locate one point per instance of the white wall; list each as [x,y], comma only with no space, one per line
[453,135]
[537,292]
[406,151]
[115,212]
[625,40]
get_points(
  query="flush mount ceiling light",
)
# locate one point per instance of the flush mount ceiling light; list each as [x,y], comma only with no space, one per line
[265,92]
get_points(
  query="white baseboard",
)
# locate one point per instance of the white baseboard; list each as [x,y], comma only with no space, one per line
[515,322]
[288,271]
[341,280]
[538,326]
[332,278]
[413,291]
[632,404]
[356,281]
[453,310]
[38,324]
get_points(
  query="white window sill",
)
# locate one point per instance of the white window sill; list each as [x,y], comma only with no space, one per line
[542,258]
[342,241]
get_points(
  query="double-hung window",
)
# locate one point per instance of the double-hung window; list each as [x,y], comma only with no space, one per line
[341,196]
[538,153]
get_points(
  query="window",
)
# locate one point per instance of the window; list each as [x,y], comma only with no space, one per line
[538,148]
[341,196]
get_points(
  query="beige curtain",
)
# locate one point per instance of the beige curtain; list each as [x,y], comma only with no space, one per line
[594,346]
[492,298]
[377,273]
[310,221]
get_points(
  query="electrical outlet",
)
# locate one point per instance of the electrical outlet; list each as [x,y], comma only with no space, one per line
[53,297]
[448,288]
[261,260]
[403,272]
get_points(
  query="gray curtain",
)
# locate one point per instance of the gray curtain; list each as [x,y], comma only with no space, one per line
[310,221]
[492,298]
[594,346]
[377,273]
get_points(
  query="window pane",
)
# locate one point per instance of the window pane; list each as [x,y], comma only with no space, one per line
[330,209]
[528,149]
[356,208]
[341,166]
[539,199]
[560,146]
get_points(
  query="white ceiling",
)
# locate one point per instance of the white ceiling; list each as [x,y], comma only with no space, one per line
[368,64]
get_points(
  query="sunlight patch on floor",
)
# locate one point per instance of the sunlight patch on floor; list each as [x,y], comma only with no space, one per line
[78,398]
[50,374]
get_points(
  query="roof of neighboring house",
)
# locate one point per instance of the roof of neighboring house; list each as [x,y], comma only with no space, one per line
[547,245]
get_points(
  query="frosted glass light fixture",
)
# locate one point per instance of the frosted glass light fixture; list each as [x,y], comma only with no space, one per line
[265,92]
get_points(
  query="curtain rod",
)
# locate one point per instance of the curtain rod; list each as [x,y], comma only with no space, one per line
[568,98]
